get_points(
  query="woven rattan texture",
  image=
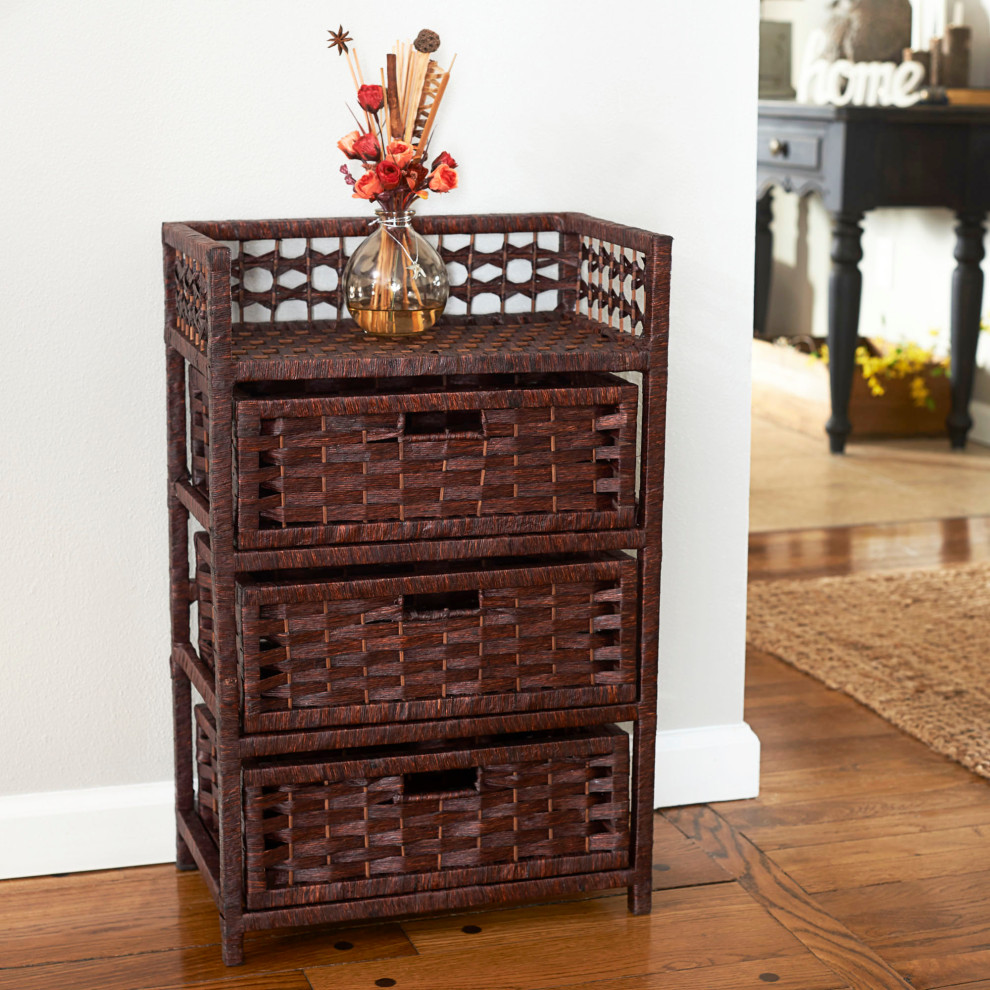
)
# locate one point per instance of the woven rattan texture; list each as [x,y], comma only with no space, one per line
[457,642]
[405,458]
[207,787]
[199,430]
[612,285]
[300,278]
[499,342]
[204,599]
[501,268]
[449,817]
[190,300]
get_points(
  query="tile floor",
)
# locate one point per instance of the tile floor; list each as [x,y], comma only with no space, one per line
[797,484]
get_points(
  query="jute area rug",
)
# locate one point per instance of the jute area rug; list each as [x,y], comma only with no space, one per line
[912,645]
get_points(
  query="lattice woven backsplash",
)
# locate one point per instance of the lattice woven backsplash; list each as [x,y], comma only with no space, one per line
[612,285]
[299,279]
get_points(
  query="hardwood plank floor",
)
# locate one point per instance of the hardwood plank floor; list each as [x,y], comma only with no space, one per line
[864,864]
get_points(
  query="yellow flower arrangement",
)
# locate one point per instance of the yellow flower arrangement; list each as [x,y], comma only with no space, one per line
[892,361]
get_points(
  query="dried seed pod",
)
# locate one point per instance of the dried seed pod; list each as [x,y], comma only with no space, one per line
[427,41]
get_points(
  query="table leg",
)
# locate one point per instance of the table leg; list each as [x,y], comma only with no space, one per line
[967,301]
[764,262]
[845,288]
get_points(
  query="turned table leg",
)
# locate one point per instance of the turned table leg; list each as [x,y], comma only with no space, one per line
[967,301]
[845,288]
[764,262]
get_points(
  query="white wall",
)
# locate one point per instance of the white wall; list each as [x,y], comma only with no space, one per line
[119,115]
[907,265]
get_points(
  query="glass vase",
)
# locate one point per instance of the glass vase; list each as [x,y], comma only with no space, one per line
[395,283]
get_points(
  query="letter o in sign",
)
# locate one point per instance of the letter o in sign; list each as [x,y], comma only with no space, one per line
[836,92]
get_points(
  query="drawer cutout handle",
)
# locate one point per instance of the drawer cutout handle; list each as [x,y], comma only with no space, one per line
[441,604]
[443,422]
[433,784]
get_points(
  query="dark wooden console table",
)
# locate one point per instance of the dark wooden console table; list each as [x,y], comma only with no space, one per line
[861,158]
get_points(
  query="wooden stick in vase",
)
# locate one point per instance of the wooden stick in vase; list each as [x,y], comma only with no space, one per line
[387,127]
[421,64]
[424,136]
[392,94]
[406,77]
[432,94]
[426,43]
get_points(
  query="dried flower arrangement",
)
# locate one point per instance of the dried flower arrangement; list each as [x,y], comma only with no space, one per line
[393,143]
[395,283]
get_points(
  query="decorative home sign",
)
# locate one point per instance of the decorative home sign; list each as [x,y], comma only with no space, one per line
[852,62]
[842,82]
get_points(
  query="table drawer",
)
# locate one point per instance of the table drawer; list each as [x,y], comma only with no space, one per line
[789,147]
[448,640]
[424,817]
[455,457]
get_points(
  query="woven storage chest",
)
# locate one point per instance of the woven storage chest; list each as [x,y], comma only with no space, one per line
[468,639]
[414,582]
[432,816]
[460,459]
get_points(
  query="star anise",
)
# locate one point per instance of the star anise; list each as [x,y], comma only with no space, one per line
[339,39]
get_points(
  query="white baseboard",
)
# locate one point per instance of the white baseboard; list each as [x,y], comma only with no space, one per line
[103,828]
[94,829]
[980,411]
[713,763]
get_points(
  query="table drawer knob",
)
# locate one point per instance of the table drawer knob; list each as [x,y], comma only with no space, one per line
[778,148]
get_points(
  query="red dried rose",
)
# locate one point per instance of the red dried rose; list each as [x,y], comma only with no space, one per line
[443,179]
[389,174]
[366,147]
[346,143]
[400,152]
[444,159]
[371,98]
[416,174]
[367,187]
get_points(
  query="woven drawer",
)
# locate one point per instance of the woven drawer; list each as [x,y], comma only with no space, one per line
[443,815]
[204,598]
[447,640]
[449,458]
[207,788]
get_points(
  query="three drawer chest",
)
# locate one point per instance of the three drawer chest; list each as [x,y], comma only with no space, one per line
[414,581]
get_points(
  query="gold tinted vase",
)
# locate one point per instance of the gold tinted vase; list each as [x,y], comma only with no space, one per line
[395,283]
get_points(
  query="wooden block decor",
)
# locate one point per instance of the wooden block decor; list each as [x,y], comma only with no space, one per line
[425,571]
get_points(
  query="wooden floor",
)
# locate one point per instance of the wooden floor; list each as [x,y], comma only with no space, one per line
[864,864]
[796,483]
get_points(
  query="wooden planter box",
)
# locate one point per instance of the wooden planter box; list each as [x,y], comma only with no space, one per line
[792,389]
